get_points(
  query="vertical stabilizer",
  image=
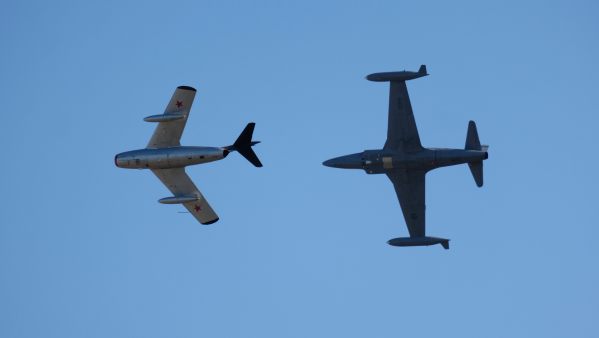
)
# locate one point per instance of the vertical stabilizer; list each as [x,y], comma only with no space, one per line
[473,143]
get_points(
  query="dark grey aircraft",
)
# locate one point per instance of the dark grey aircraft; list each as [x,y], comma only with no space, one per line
[167,159]
[406,162]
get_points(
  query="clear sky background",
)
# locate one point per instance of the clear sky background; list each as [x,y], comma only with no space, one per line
[300,250]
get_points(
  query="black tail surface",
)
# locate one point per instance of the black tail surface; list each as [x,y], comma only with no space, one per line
[473,143]
[244,144]
[476,168]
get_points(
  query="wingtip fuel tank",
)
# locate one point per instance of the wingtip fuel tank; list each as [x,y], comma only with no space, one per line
[405,161]
[397,76]
[419,241]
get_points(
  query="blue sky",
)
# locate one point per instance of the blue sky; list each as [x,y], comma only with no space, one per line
[300,250]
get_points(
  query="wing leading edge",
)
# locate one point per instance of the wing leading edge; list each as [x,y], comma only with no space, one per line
[410,189]
[402,134]
[168,133]
[177,181]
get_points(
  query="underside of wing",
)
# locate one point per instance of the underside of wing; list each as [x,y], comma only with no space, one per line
[168,133]
[177,181]
[410,189]
[402,134]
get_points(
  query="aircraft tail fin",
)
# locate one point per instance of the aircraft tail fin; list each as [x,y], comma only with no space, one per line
[422,70]
[244,144]
[476,168]
[472,141]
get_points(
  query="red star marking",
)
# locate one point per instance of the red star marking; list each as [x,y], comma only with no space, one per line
[179,104]
[197,207]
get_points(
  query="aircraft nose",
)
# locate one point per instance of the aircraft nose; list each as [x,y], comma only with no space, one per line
[118,161]
[329,163]
[343,162]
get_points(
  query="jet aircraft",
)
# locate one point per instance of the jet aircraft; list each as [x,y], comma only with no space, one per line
[167,159]
[406,162]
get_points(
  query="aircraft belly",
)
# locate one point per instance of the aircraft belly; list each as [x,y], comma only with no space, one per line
[193,155]
[388,162]
[406,162]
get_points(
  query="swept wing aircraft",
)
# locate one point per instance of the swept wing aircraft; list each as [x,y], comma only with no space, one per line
[167,159]
[406,162]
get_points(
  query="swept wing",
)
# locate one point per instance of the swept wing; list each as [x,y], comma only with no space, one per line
[410,187]
[168,133]
[402,134]
[177,181]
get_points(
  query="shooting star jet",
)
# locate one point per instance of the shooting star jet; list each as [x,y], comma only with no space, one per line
[167,159]
[406,162]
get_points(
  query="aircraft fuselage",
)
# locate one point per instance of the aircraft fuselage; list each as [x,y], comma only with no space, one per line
[173,157]
[382,160]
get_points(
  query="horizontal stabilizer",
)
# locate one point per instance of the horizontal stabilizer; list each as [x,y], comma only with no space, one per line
[244,145]
[419,241]
[250,155]
[472,141]
[476,168]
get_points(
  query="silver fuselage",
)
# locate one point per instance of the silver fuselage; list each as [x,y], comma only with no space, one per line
[173,157]
[383,160]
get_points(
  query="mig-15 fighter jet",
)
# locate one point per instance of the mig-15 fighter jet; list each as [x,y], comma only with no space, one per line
[167,159]
[406,162]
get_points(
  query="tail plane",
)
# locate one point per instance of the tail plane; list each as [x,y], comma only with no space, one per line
[476,168]
[473,143]
[244,143]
